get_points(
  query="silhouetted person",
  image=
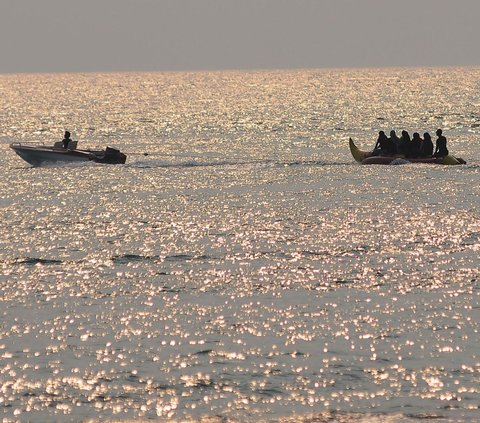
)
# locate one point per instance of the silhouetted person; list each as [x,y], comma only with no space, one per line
[441,149]
[395,141]
[388,147]
[415,145]
[381,146]
[427,145]
[404,144]
[66,139]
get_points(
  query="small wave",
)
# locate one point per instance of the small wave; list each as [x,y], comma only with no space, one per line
[344,281]
[471,239]
[32,261]
[399,162]
[190,257]
[308,253]
[323,417]
[54,165]
[59,164]
[132,258]
[471,167]
[179,257]
[203,352]
[128,258]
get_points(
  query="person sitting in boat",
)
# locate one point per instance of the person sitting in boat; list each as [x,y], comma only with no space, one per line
[66,140]
[380,144]
[441,149]
[384,146]
[394,141]
[426,149]
[404,144]
[415,145]
[388,147]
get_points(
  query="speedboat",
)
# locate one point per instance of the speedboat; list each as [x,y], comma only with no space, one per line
[366,157]
[37,154]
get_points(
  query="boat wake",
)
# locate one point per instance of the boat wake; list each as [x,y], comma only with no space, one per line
[153,164]
[66,165]
[397,162]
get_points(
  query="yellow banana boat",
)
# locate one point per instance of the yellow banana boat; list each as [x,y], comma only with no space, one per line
[365,157]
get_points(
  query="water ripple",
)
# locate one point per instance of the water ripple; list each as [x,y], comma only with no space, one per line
[247,269]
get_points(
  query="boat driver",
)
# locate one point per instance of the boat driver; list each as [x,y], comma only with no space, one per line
[66,139]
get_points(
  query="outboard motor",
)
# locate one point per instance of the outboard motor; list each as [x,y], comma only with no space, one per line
[114,156]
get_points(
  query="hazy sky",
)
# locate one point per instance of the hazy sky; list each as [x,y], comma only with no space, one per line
[119,35]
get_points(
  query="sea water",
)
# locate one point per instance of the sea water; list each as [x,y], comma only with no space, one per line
[241,266]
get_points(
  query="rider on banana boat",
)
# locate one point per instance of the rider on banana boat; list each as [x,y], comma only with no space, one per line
[384,146]
[441,149]
[426,148]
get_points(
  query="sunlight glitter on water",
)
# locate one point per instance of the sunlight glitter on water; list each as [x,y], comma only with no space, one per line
[246,269]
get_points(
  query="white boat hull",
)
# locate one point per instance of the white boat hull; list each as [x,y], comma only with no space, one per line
[37,155]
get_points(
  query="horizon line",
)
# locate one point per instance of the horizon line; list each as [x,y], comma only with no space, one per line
[237,70]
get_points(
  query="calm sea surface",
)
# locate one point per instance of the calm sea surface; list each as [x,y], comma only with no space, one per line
[246,269]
